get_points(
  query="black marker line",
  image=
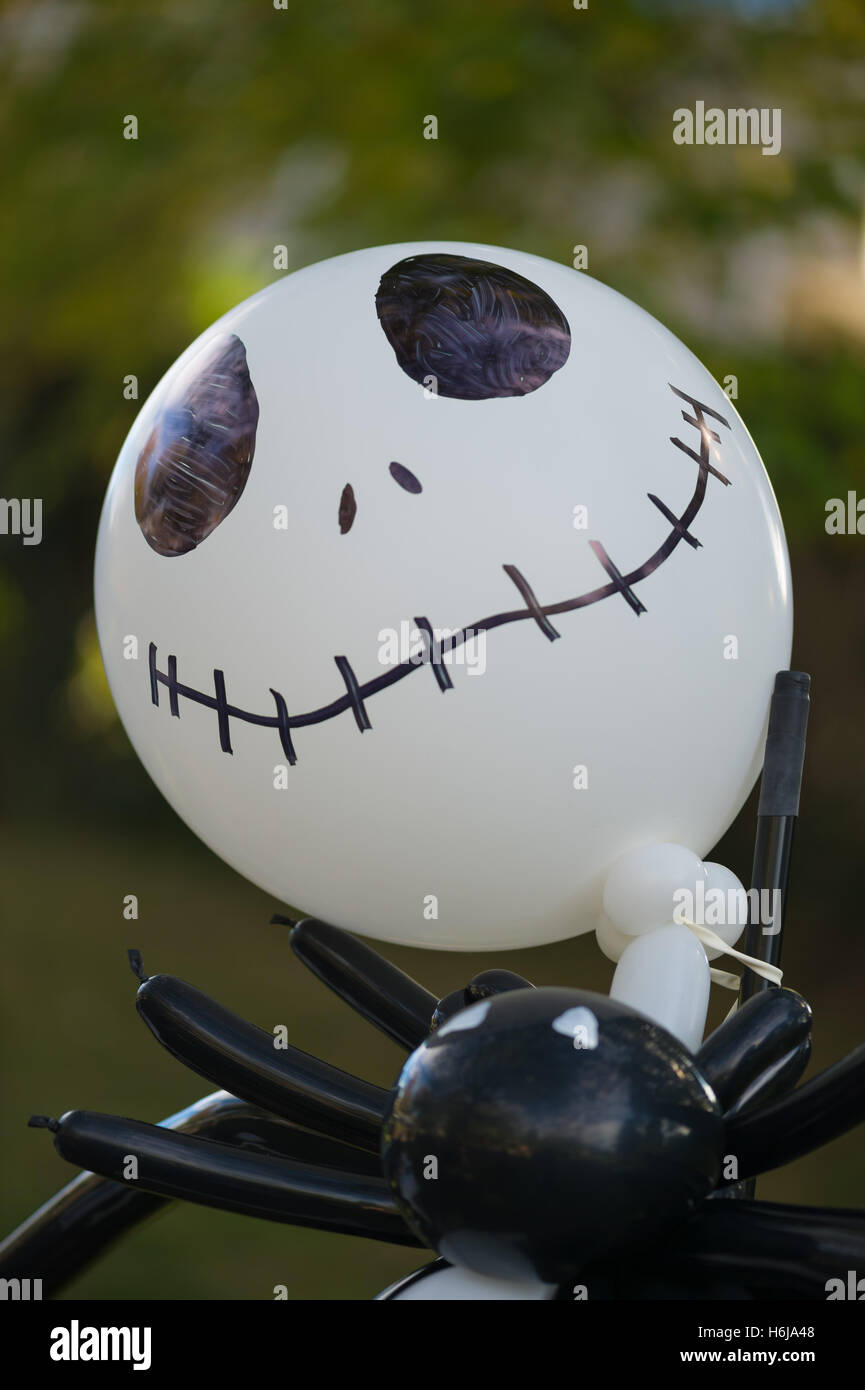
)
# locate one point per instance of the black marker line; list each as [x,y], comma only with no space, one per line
[440,671]
[173,703]
[618,579]
[532,604]
[357,694]
[674,521]
[698,405]
[284,726]
[221,711]
[699,458]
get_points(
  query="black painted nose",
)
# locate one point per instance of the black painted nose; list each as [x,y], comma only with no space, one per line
[348,502]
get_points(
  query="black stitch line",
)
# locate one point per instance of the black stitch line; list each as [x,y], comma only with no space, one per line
[618,579]
[699,458]
[355,693]
[221,710]
[532,604]
[284,726]
[440,671]
[698,405]
[675,522]
[173,702]
[405,668]
[703,428]
[155,675]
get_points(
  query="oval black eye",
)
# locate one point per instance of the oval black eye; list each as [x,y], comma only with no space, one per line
[347,509]
[405,478]
[197,458]
[471,329]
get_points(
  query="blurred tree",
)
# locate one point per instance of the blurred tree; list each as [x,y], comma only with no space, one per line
[302,127]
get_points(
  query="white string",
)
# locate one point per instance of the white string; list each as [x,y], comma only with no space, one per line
[725,978]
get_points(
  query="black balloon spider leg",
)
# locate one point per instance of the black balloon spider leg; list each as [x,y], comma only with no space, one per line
[82,1220]
[492,982]
[727,1250]
[379,991]
[214,1174]
[342,1115]
[778,1250]
[333,1184]
[244,1059]
[768,1124]
[827,1106]
[483,986]
[383,994]
[776,1081]
[759,1035]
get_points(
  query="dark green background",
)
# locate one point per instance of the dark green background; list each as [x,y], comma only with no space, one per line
[304,127]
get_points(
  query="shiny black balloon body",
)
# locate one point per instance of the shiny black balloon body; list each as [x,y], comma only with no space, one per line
[529,1144]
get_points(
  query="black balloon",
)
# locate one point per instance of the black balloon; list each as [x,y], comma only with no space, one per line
[757,1036]
[213,1174]
[375,988]
[543,1128]
[494,982]
[226,1049]
[828,1105]
[91,1212]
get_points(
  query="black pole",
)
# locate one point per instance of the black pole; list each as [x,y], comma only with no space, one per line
[777,812]
[776,822]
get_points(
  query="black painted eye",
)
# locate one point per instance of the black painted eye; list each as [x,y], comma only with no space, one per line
[478,329]
[405,478]
[197,458]
[347,509]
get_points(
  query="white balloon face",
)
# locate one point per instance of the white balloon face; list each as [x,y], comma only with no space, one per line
[578,502]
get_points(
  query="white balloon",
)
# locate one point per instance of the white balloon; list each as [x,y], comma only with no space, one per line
[720,879]
[611,941]
[436,1284]
[640,893]
[665,975]
[533,459]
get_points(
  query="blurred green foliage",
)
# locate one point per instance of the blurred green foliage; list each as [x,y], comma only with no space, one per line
[303,127]
[261,126]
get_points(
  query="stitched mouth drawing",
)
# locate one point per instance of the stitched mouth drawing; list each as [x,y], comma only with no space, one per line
[469,330]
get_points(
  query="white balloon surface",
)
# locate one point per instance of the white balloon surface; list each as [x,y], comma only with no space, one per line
[433,579]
